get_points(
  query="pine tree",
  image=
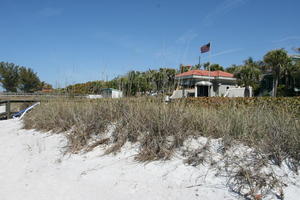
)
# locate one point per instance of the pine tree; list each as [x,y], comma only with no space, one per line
[29,81]
[9,76]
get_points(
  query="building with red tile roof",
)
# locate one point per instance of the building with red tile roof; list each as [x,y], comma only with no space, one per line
[197,83]
[198,72]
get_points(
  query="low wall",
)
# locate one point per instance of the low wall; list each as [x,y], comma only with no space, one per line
[2,109]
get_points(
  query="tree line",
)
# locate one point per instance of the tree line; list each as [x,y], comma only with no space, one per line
[14,78]
[133,83]
[284,73]
[281,70]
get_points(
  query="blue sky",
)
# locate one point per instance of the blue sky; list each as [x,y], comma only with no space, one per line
[70,41]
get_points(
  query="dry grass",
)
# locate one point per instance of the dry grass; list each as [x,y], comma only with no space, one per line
[250,176]
[161,128]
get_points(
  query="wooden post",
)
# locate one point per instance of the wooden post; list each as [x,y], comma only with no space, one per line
[8,109]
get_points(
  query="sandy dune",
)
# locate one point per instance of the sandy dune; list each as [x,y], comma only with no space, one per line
[33,167]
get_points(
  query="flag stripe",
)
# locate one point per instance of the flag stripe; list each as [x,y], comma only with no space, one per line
[205,48]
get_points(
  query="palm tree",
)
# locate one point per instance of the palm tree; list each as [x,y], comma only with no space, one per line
[295,75]
[248,75]
[287,73]
[170,73]
[159,79]
[206,65]
[232,69]
[277,60]
[215,67]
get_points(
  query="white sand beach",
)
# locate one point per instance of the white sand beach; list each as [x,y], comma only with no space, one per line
[34,167]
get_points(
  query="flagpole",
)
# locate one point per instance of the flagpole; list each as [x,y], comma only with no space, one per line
[209,60]
[199,62]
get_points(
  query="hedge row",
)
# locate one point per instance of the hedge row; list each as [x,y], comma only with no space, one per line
[287,102]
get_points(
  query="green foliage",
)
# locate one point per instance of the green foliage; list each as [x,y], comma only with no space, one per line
[28,80]
[92,87]
[14,78]
[295,74]
[45,85]
[136,83]
[216,67]
[132,84]
[206,65]
[248,75]
[9,76]
[232,69]
[289,103]
[285,74]
[278,60]
[184,68]
[197,66]
[212,67]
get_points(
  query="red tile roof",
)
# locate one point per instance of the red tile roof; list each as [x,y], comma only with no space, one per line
[198,72]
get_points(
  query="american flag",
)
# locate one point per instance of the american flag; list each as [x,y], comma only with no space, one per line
[205,48]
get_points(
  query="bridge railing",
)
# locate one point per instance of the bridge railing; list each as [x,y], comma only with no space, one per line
[8,103]
[20,94]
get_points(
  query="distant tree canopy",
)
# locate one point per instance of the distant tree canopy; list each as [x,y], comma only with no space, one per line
[28,80]
[92,87]
[45,85]
[277,65]
[9,76]
[285,74]
[212,67]
[14,78]
[248,74]
[162,80]
[184,68]
[278,61]
[232,69]
[216,67]
[206,65]
[132,83]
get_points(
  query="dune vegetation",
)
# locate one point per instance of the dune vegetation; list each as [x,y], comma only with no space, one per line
[160,128]
[268,127]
